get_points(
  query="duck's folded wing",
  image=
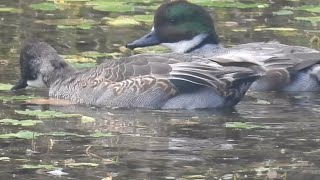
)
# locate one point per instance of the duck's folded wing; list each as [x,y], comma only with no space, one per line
[298,61]
[273,48]
[188,77]
[184,75]
[269,56]
[139,65]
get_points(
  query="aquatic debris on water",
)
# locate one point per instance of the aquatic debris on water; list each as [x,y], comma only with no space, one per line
[5,87]
[38,166]
[46,114]
[15,122]
[245,125]
[57,172]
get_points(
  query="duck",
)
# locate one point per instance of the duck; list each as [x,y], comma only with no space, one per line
[167,81]
[188,28]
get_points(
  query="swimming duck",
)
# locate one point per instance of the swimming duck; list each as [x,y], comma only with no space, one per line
[168,81]
[185,27]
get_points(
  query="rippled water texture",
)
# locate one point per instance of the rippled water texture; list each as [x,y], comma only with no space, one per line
[266,136]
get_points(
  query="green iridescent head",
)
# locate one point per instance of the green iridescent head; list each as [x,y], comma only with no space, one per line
[182,20]
[178,21]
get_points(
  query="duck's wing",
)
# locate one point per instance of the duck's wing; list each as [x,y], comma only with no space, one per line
[184,72]
[230,83]
[293,62]
[273,47]
[280,63]
[269,56]
[190,76]
[273,55]
[139,65]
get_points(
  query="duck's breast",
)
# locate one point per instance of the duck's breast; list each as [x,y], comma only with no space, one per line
[204,98]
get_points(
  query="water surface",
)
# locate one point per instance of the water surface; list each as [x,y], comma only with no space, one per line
[146,144]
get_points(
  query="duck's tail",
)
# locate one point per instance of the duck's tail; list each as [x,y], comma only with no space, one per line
[239,86]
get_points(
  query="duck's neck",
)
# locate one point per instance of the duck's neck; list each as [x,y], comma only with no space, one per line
[195,44]
[47,79]
[58,74]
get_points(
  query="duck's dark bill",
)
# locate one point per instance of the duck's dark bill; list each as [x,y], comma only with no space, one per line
[149,39]
[20,85]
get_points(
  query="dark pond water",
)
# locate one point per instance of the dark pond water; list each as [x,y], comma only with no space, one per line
[283,144]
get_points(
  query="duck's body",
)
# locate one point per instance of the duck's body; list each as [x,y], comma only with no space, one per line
[169,81]
[287,68]
[187,28]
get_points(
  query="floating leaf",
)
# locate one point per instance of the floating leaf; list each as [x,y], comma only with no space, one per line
[288,33]
[84,26]
[100,134]
[113,55]
[239,29]
[82,164]
[262,102]
[34,135]
[4,62]
[5,87]
[101,2]
[110,178]
[283,12]
[62,134]
[194,177]
[21,135]
[4,159]
[144,18]
[151,50]
[240,125]
[314,20]
[57,1]
[45,6]
[80,26]
[22,160]
[229,4]
[83,65]
[309,8]
[275,29]
[112,6]
[78,59]
[65,27]
[9,9]
[39,166]
[16,98]
[66,22]
[49,101]
[87,119]
[30,152]
[46,114]
[122,21]
[180,122]
[15,122]
[94,54]
[88,58]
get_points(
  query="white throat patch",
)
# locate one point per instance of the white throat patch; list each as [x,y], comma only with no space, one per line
[38,83]
[185,45]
